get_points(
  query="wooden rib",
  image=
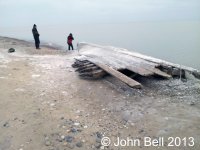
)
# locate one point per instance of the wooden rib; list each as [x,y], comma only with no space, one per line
[89,69]
[80,68]
[80,64]
[94,74]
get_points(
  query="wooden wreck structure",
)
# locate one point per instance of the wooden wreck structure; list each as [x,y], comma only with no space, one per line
[95,61]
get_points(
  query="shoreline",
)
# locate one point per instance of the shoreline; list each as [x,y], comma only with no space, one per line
[45,105]
[54,46]
[44,44]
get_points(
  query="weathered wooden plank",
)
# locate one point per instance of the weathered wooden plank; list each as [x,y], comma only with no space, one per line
[161,73]
[93,74]
[89,69]
[87,66]
[119,75]
[78,64]
[82,63]
[140,70]
[81,60]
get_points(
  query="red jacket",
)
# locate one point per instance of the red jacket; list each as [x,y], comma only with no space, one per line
[69,39]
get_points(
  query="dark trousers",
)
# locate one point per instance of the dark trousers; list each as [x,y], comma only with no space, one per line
[37,42]
[70,45]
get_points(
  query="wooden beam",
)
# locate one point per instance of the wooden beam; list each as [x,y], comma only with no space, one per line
[119,75]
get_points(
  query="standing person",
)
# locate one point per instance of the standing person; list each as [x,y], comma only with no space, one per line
[70,38]
[36,36]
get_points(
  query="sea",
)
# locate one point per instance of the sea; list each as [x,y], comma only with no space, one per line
[177,41]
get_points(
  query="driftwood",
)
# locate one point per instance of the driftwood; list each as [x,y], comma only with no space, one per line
[88,70]
[119,75]
[96,61]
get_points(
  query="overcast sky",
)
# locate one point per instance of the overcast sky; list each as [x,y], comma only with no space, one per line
[52,12]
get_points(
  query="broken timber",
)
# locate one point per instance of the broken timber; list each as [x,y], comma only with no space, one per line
[119,75]
[96,61]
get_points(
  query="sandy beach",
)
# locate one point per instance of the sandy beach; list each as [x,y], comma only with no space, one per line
[44,105]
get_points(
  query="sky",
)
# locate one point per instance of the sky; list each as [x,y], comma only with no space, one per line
[54,12]
[153,27]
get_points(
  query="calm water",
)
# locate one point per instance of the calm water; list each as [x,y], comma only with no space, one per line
[178,42]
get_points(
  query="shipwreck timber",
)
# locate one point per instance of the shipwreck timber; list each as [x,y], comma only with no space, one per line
[96,61]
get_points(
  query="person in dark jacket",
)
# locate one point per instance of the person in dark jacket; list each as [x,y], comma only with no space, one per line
[36,36]
[70,38]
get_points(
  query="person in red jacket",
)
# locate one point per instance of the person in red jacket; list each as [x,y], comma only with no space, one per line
[70,38]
